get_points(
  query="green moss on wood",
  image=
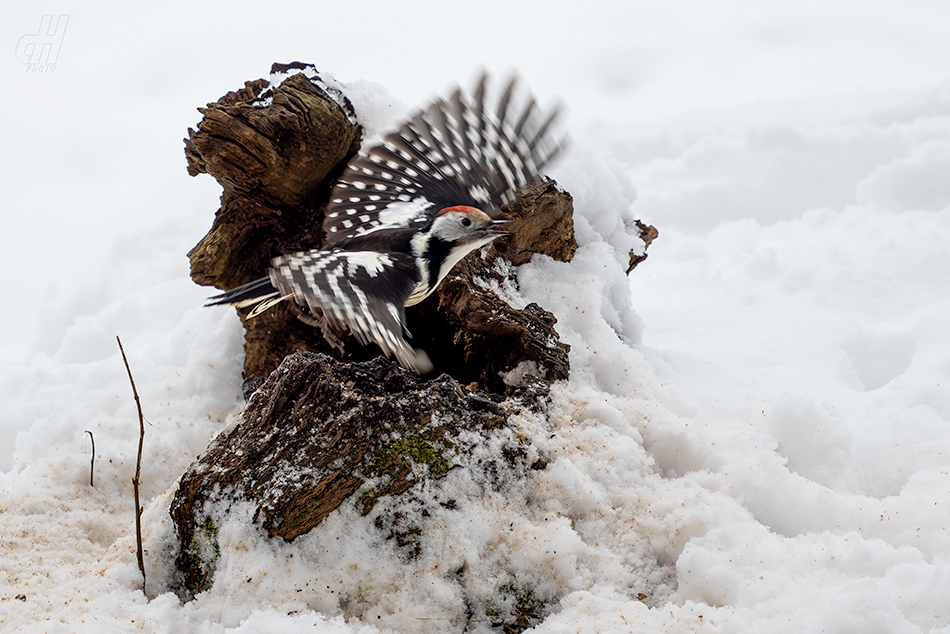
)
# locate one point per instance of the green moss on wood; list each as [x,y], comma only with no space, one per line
[403,452]
[366,500]
[200,552]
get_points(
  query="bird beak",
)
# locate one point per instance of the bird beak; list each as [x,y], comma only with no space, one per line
[495,232]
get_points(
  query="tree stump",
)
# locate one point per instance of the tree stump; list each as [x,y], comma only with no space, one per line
[319,432]
[277,163]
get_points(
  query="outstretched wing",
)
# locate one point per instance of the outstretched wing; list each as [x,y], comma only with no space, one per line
[455,152]
[364,291]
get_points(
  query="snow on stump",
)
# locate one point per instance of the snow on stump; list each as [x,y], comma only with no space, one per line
[317,432]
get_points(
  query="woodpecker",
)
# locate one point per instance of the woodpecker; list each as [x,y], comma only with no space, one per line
[404,213]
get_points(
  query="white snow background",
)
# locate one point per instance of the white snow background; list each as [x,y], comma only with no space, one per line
[756,434]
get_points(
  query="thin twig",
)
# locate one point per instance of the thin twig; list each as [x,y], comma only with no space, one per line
[92,461]
[138,468]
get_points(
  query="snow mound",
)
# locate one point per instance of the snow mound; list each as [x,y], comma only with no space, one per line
[761,445]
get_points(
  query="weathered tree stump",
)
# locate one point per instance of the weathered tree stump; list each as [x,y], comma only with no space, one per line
[272,163]
[277,164]
[319,432]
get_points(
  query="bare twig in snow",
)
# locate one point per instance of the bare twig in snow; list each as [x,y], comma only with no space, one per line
[138,468]
[92,461]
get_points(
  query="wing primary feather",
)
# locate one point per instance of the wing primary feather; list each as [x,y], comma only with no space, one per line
[423,132]
[388,155]
[447,147]
[548,122]
[505,101]
[407,146]
[457,109]
[529,109]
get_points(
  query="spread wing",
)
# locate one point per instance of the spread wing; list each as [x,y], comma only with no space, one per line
[457,151]
[364,291]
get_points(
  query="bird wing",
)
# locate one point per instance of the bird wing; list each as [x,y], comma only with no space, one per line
[457,151]
[365,291]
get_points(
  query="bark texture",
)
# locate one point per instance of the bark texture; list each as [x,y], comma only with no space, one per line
[275,164]
[319,431]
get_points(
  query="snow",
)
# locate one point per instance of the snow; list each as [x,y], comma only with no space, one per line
[756,432]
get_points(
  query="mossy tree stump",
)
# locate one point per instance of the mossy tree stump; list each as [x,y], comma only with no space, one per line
[318,431]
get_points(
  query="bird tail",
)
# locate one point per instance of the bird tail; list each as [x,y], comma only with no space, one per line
[260,293]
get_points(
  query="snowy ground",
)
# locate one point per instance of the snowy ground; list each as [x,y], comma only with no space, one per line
[756,435]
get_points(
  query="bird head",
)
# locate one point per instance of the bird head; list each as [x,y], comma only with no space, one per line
[467,227]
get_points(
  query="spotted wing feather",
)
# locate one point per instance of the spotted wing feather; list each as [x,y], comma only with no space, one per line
[363,291]
[458,151]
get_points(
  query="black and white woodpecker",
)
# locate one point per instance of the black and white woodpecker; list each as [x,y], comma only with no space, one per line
[405,212]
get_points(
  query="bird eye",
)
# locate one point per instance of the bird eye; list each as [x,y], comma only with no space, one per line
[466,222]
